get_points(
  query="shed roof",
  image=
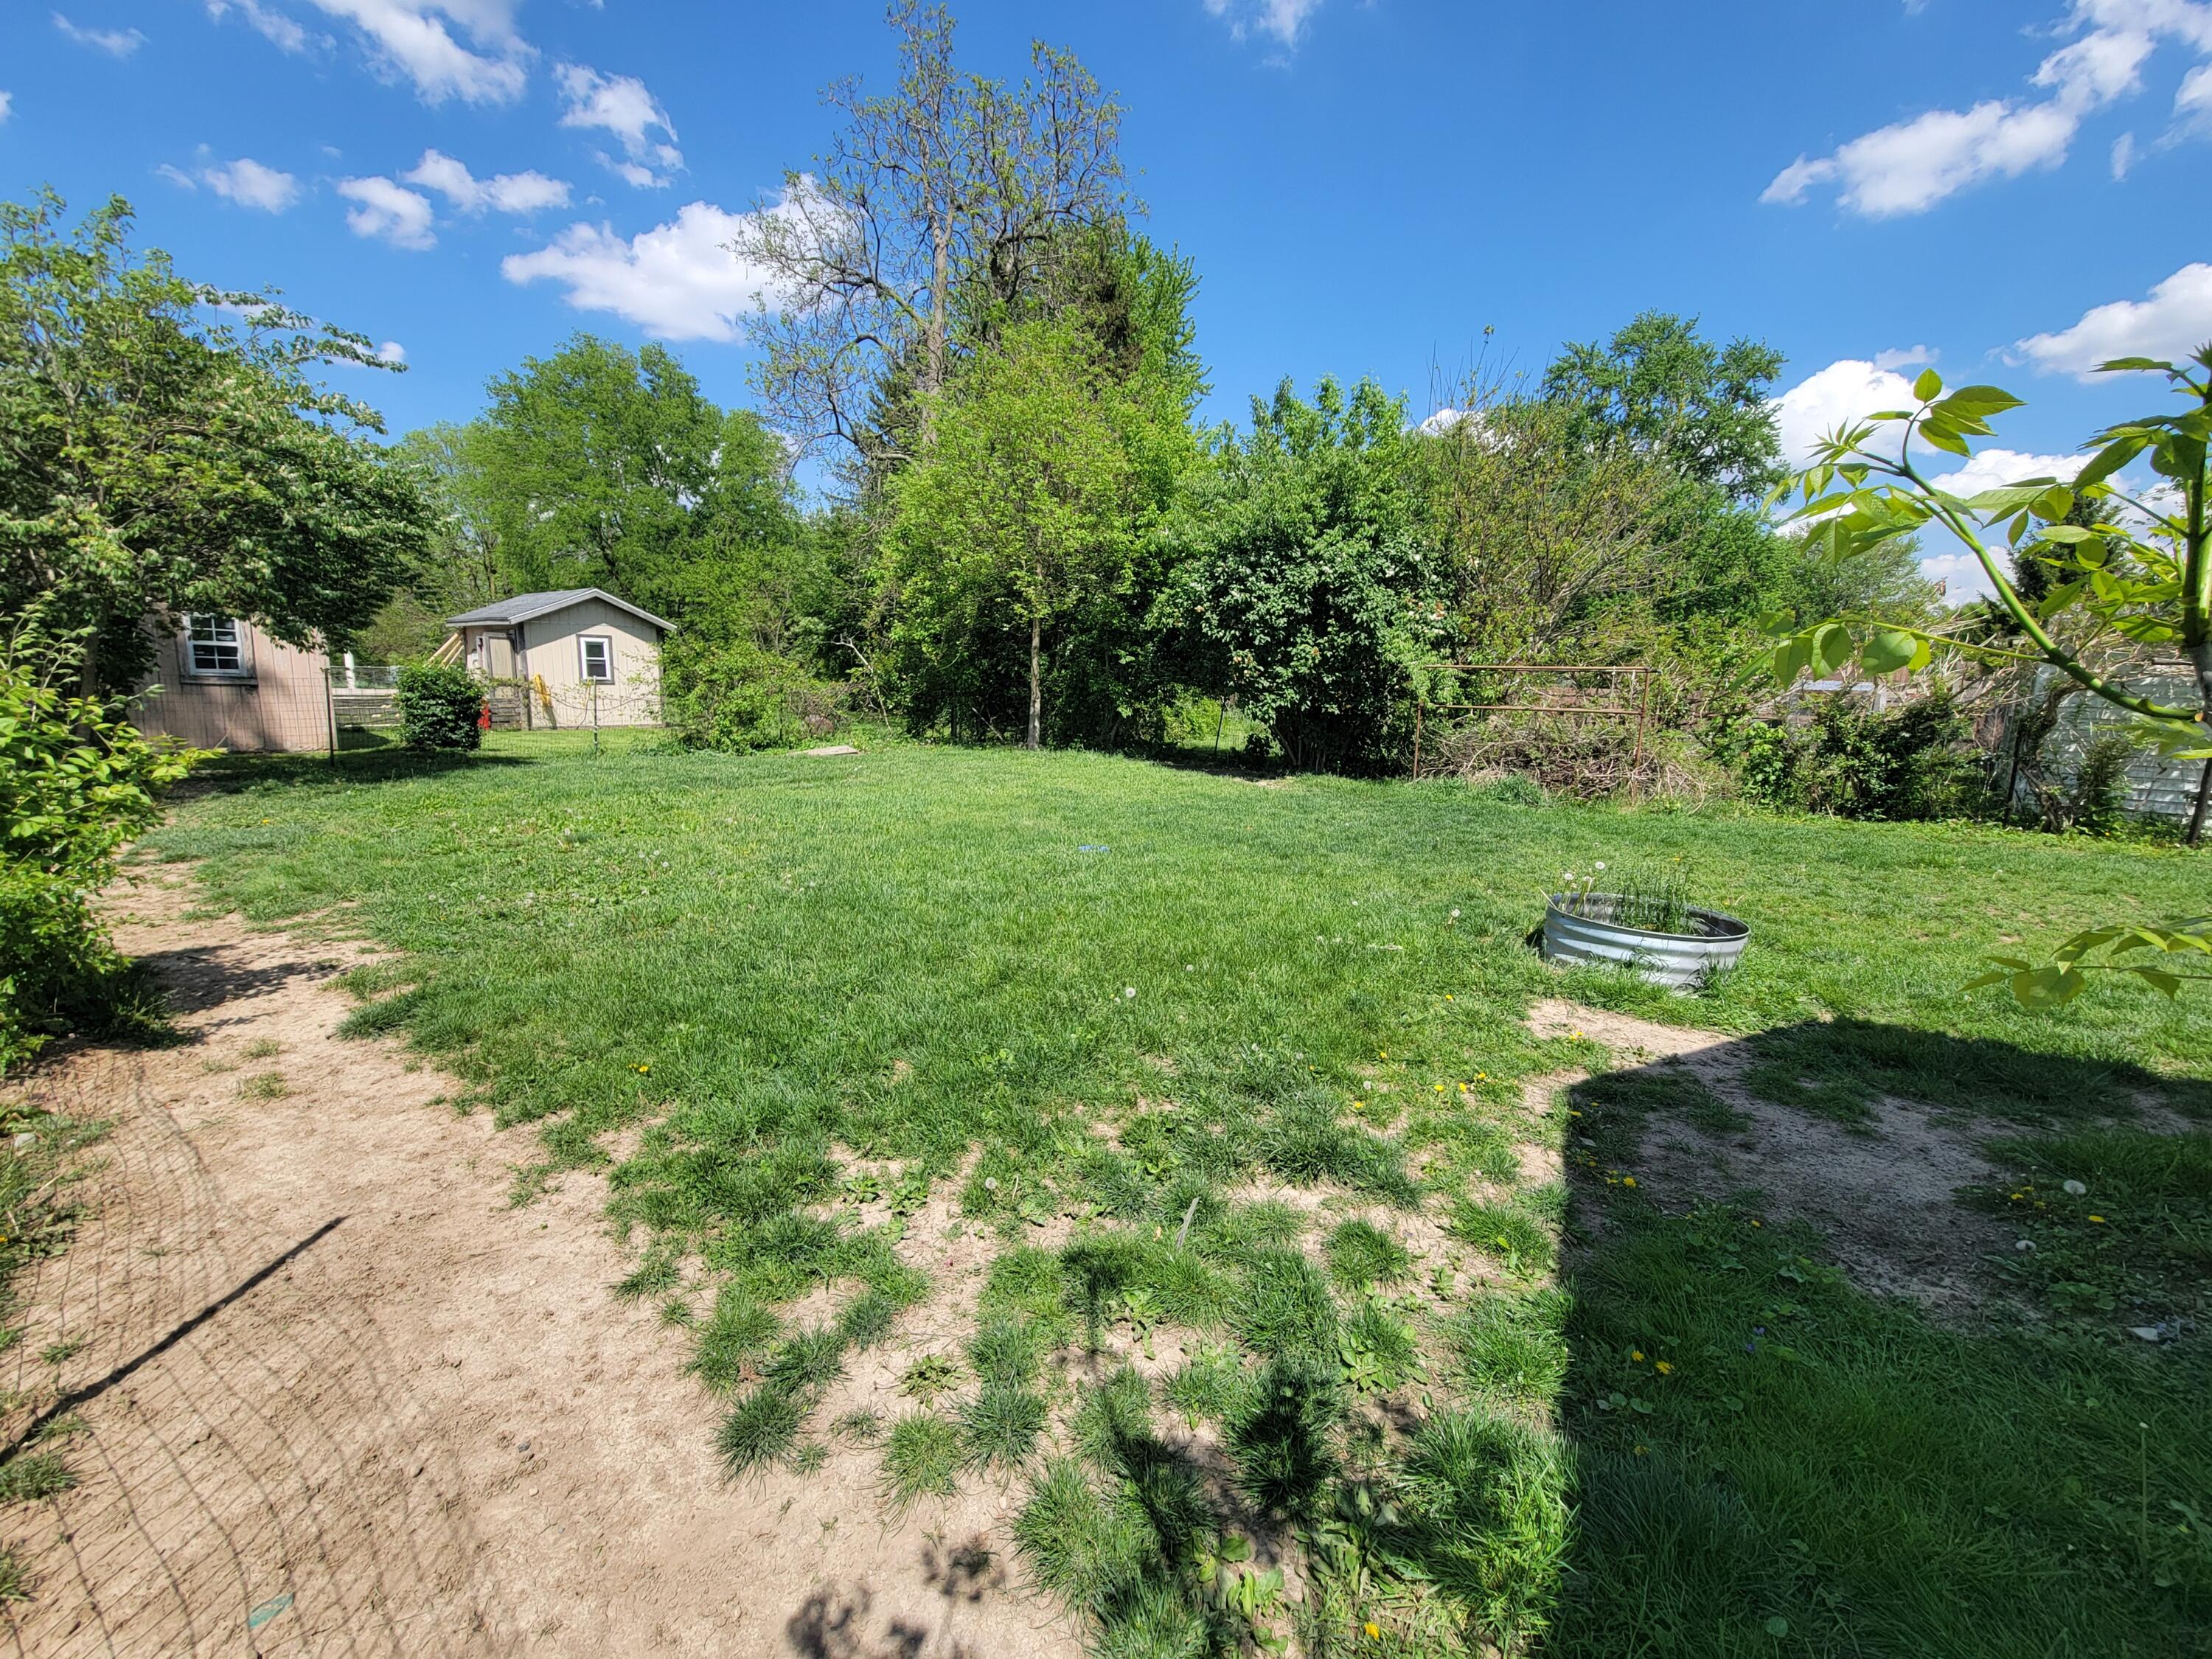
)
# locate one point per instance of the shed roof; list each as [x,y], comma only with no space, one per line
[504,613]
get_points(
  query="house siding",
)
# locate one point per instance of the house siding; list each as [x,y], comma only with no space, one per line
[2156,786]
[550,653]
[283,707]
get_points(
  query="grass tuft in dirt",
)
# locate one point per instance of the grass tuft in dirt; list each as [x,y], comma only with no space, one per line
[922,1459]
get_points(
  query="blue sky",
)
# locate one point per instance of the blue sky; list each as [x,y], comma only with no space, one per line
[2011,191]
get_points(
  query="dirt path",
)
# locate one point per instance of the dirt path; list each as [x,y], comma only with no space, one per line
[383,1413]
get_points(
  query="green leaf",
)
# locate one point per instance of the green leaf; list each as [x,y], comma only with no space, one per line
[2123,365]
[1944,438]
[1928,386]
[1777,1626]
[2110,459]
[1831,644]
[1889,651]
[1978,401]
[1790,658]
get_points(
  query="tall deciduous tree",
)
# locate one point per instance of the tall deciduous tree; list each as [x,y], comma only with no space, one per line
[163,449]
[602,467]
[1024,499]
[949,177]
[1663,387]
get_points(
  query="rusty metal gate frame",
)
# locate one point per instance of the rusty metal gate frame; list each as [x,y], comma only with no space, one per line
[1640,676]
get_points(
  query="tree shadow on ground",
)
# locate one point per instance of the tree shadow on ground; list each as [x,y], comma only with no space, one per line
[1850,1369]
[230,774]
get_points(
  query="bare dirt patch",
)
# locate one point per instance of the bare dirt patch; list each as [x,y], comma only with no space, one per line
[1884,1193]
[380,1411]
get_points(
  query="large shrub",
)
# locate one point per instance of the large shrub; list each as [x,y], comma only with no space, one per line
[77,781]
[1914,763]
[1300,588]
[439,705]
[732,695]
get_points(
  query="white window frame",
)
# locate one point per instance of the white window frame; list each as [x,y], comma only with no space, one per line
[605,642]
[237,643]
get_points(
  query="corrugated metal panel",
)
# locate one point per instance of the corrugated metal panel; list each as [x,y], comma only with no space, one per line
[2156,786]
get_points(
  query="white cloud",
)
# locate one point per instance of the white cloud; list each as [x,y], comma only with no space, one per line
[2172,322]
[388,212]
[248,183]
[632,173]
[1911,356]
[7,102]
[410,38]
[1283,18]
[2192,105]
[621,105]
[1991,468]
[391,352]
[677,281]
[279,30]
[1961,574]
[1843,392]
[1910,165]
[120,43]
[2123,156]
[509,192]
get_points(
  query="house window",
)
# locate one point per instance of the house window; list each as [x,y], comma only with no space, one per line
[215,645]
[598,659]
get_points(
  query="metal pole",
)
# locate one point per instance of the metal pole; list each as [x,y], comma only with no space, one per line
[330,712]
[2012,779]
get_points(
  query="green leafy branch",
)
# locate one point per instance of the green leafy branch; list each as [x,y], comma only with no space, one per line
[2065,976]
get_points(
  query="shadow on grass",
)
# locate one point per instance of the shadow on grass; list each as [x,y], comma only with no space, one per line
[1843,1068]
[229,773]
[1770,1459]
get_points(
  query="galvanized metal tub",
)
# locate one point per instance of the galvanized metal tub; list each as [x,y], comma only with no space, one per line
[1684,961]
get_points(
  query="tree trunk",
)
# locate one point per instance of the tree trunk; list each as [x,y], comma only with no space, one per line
[1036,682]
[2196,836]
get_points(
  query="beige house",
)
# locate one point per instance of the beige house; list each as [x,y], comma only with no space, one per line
[220,683]
[576,656]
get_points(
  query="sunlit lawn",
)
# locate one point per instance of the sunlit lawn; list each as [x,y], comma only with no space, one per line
[972,962]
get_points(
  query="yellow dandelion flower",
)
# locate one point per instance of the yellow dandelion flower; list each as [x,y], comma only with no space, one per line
[1637,1354]
[1665,1368]
[1440,1088]
[1374,1630]
[2099,1219]
[1628,1180]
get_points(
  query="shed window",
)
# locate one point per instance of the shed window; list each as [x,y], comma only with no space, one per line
[213,645]
[598,658]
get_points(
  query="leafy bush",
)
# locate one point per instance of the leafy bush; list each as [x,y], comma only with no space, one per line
[439,705]
[1301,570]
[77,781]
[732,695]
[1915,762]
[63,975]
[2097,805]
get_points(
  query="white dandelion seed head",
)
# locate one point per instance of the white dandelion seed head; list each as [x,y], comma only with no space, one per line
[2076,1189]
[1128,990]
[990,1183]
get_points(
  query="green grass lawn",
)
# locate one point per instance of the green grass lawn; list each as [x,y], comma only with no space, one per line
[1095,1000]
